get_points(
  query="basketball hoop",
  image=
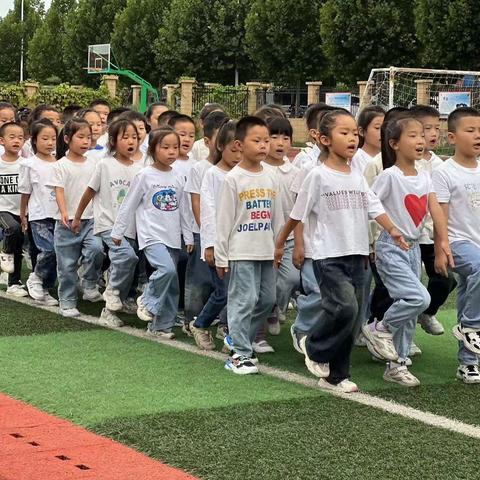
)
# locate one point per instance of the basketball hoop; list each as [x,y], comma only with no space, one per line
[99,58]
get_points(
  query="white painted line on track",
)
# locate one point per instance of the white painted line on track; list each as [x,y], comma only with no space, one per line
[389,406]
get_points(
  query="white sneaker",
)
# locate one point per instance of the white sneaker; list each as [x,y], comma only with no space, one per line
[4,278]
[321,370]
[49,300]
[430,324]
[273,326]
[360,341]
[113,302]
[69,312]
[468,374]
[7,262]
[109,319]
[469,337]
[161,334]
[262,347]
[130,306]
[345,386]
[398,373]
[241,365]
[414,350]
[142,312]
[379,342]
[92,295]
[17,290]
[296,337]
[35,287]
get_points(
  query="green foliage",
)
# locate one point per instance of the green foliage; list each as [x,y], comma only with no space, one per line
[283,39]
[360,35]
[42,61]
[234,99]
[13,93]
[11,32]
[204,39]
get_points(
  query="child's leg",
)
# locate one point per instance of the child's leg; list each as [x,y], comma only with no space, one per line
[400,271]
[216,302]
[13,244]
[288,279]
[92,252]
[161,294]
[33,251]
[181,271]
[380,301]
[43,236]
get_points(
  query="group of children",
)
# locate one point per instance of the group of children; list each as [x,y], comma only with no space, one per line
[129,209]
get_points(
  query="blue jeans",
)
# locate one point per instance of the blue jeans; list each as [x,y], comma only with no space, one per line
[69,247]
[251,297]
[400,271]
[216,302]
[123,261]
[309,300]
[162,291]
[288,278]
[466,256]
[341,281]
[46,267]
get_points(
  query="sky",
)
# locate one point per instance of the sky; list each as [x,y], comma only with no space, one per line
[6,5]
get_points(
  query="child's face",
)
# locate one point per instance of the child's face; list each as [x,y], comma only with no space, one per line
[156,112]
[127,142]
[7,115]
[231,155]
[343,140]
[186,132]
[372,134]
[210,144]
[13,139]
[96,125]
[279,146]
[466,137]
[431,130]
[46,141]
[411,143]
[80,141]
[53,116]
[142,131]
[103,111]
[254,147]
[167,151]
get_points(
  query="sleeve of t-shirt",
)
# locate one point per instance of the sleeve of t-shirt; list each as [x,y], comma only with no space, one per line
[96,178]
[441,185]
[308,192]
[224,222]
[382,185]
[186,220]
[207,212]
[24,179]
[193,180]
[375,207]
[298,180]
[56,179]
[278,219]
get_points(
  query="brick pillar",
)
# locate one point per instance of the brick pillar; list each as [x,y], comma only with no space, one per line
[170,88]
[364,94]
[31,88]
[111,82]
[423,91]
[136,96]
[186,95]
[252,88]
[313,92]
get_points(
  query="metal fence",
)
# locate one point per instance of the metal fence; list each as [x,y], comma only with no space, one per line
[292,100]
[233,99]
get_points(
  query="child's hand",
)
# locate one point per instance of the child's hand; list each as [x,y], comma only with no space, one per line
[277,258]
[298,256]
[116,241]
[398,239]
[65,220]
[190,248]
[222,271]
[209,256]
[76,225]
[24,221]
[443,258]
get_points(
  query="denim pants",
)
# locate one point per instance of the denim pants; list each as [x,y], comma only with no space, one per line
[216,303]
[401,271]
[69,247]
[162,291]
[466,256]
[123,261]
[46,267]
[13,244]
[251,297]
[341,282]
[288,278]
[309,301]
[198,282]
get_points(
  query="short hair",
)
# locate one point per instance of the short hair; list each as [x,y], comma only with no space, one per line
[245,124]
[150,108]
[458,114]
[37,112]
[366,117]
[280,126]
[208,108]
[213,122]
[69,130]
[118,127]
[99,101]
[421,111]
[156,137]
[314,112]
[8,106]
[70,111]
[134,116]
[84,111]
[7,125]
[165,117]
[179,118]
[115,113]
[37,127]
[270,111]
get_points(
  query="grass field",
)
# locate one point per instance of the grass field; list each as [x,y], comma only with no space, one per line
[186,410]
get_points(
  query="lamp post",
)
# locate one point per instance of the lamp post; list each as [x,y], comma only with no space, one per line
[21,45]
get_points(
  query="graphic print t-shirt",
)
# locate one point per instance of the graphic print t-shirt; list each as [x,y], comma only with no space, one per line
[9,195]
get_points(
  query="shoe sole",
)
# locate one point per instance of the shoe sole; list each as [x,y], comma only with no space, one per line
[30,292]
[333,388]
[466,380]
[236,371]
[380,352]
[459,336]
[408,385]
[296,345]
[430,332]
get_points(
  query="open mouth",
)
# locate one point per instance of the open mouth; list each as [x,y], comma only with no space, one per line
[476,145]
[130,149]
[419,149]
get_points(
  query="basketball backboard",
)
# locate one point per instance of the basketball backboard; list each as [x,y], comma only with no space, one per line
[98,58]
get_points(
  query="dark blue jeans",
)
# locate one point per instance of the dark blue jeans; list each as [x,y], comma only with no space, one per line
[46,265]
[341,281]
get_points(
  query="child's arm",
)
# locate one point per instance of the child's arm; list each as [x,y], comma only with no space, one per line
[443,254]
[62,207]
[224,223]
[84,201]
[288,228]
[23,210]
[185,220]
[195,197]
[207,218]
[298,256]
[25,188]
[384,221]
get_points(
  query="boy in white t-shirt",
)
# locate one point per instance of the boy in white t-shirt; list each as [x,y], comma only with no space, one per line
[200,150]
[12,140]
[457,184]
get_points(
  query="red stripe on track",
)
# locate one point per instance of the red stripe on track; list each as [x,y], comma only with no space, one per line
[37,446]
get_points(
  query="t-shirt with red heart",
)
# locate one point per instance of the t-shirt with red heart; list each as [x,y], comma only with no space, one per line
[405,199]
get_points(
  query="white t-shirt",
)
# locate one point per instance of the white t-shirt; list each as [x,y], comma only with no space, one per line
[144,146]
[183,168]
[194,184]
[308,155]
[199,151]
[35,175]
[96,153]
[9,194]
[73,177]
[111,180]
[249,216]
[2,149]
[158,200]
[103,139]
[360,160]
[337,206]
[460,187]
[405,199]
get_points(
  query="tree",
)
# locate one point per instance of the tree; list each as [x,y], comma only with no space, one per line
[448,33]
[42,65]
[11,32]
[359,35]
[133,36]
[283,39]
[90,23]
[203,38]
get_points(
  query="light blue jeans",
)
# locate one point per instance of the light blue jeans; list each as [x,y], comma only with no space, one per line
[251,297]
[309,301]
[162,291]
[466,256]
[69,247]
[123,261]
[288,278]
[400,271]
[46,267]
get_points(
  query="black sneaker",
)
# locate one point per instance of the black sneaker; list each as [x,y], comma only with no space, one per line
[240,365]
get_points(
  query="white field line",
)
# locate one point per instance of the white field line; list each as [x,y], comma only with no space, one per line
[389,406]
